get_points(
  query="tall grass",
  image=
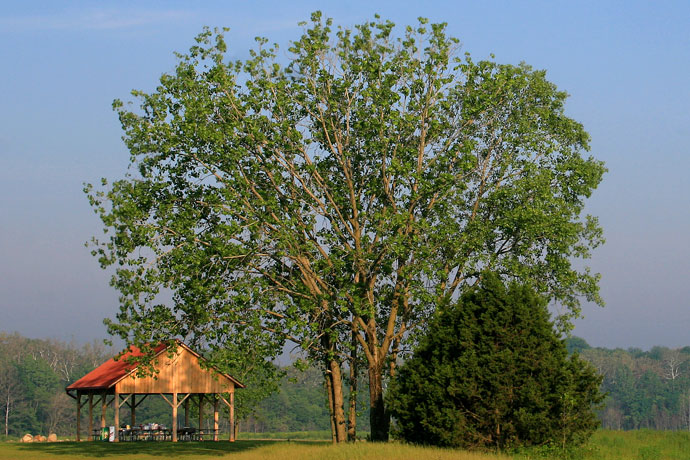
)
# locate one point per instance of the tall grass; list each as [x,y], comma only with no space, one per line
[620,445]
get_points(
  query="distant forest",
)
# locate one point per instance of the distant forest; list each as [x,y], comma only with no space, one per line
[646,389]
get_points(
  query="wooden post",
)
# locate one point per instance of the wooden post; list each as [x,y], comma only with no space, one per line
[186,412]
[104,398]
[78,415]
[134,411]
[89,436]
[215,419]
[116,402]
[201,413]
[174,418]
[232,417]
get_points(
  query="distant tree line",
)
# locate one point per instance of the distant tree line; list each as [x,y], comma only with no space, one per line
[646,389]
[33,376]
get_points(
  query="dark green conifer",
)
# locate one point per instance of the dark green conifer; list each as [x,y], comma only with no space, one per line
[492,371]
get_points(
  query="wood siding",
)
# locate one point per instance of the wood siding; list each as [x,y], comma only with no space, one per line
[179,374]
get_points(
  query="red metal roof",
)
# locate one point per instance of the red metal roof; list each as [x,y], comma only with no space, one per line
[111,371]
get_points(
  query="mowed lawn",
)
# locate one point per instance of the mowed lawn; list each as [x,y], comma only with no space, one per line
[240,450]
[605,445]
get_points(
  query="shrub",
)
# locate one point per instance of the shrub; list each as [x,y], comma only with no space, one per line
[492,372]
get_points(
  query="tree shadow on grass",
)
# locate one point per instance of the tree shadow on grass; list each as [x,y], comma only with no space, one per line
[158,449]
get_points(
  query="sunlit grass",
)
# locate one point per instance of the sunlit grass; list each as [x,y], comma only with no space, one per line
[604,445]
[622,445]
[240,450]
[321,435]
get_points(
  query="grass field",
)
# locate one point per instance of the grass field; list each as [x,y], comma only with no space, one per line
[622,445]
[240,450]
[322,435]
[605,445]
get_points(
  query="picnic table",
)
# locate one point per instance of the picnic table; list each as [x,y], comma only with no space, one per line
[161,433]
[136,433]
[187,433]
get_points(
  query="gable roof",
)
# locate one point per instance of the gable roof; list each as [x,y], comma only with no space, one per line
[112,371]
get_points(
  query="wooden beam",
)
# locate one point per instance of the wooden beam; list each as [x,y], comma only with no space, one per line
[140,401]
[201,412]
[89,434]
[232,417]
[174,417]
[124,401]
[178,403]
[133,410]
[78,416]
[103,407]
[215,419]
[167,400]
[116,405]
[224,400]
[186,412]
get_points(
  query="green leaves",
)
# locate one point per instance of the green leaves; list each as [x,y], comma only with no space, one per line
[370,179]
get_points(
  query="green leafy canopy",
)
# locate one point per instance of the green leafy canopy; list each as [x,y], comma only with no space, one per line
[365,181]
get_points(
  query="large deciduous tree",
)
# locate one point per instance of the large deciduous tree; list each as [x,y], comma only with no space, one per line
[341,194]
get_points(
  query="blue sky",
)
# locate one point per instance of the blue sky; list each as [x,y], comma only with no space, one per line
[625,64]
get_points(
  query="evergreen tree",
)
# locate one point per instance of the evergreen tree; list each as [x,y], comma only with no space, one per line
[492,371]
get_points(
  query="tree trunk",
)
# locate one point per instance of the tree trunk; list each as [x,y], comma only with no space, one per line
[336,378]
[352,412]
[334,386]
[379,418]
[7,415]
[331,411]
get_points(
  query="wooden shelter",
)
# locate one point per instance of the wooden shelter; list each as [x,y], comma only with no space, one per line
[179,378]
